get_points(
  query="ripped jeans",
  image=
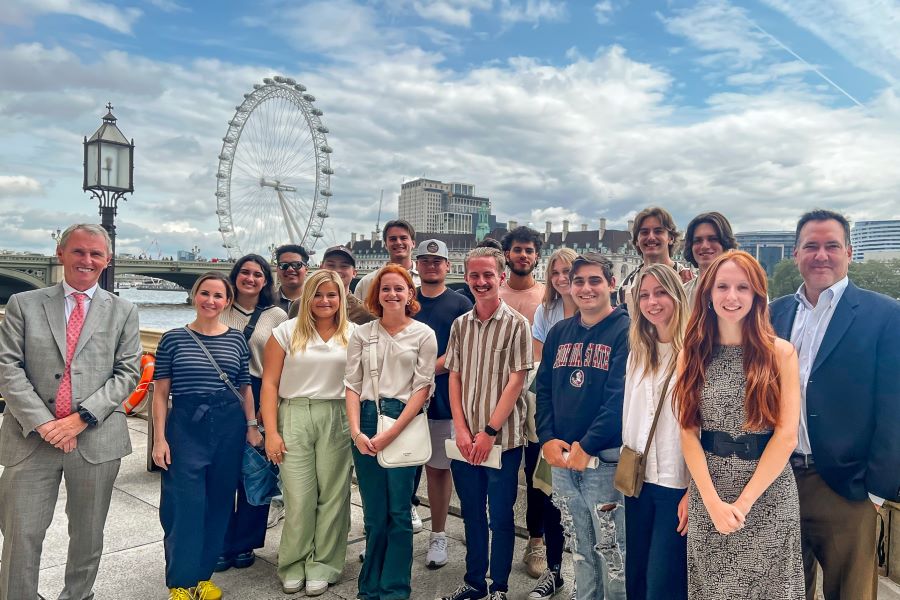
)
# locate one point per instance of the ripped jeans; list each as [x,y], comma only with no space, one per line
[596,536]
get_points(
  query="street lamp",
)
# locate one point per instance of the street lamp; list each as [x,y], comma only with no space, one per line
[108,175]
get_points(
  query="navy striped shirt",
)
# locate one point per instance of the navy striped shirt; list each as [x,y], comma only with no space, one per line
[180,359]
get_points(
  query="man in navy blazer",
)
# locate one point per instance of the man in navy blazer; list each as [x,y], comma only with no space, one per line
[847,460]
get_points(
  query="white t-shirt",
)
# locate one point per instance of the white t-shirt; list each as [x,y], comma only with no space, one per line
[318,371]
[665,460]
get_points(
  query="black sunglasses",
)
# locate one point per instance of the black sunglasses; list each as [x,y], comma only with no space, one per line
[294,264]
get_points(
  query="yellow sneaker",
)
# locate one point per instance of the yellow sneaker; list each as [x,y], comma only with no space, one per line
[207,590]
[180,594]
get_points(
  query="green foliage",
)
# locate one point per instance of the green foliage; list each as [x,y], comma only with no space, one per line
[785,280]
[879,276]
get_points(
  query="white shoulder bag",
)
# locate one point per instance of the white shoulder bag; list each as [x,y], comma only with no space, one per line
[413,446]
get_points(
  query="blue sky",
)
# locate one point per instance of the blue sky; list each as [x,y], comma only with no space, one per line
[555,109]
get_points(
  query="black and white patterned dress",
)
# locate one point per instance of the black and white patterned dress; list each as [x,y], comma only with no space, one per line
[761,561]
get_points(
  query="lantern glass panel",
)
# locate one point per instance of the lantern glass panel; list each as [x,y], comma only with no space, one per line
[93,165]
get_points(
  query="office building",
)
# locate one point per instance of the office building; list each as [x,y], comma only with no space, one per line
[768,247]
[878,240]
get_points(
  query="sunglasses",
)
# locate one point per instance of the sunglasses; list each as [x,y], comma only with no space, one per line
[294,264]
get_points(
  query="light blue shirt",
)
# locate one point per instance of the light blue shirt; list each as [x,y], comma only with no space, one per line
[545,318]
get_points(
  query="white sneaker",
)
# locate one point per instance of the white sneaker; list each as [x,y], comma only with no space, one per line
[276,513]
[316,588]
[292,586]
[416,520]
[437,551]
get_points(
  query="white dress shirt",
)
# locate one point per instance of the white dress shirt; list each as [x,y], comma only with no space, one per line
[70,298]
[810,324]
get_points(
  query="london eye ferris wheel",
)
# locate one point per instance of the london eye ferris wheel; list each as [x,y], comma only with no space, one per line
[274,175]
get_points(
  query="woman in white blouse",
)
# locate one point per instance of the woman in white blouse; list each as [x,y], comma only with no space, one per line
[307,435]
[405,351]
[656,521]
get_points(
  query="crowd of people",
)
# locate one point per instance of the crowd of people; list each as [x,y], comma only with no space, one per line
[686,437]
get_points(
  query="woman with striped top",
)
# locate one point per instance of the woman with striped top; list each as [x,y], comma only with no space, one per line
[306,425]
[199,443]
[254,313]
[406,351]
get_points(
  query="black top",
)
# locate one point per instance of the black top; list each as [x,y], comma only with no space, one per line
[439,314]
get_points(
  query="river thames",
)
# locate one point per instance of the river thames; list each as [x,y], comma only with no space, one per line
[160,309]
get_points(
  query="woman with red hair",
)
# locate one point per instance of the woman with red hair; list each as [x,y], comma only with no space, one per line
[737,400]
[405,352]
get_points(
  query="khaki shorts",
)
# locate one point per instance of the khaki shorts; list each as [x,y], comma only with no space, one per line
[440,429]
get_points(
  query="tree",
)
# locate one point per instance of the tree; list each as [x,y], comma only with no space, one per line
[785,280]
[876,275]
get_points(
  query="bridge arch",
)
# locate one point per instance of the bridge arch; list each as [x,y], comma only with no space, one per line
[13,281]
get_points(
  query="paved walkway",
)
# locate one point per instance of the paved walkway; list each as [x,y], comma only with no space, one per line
[132,564]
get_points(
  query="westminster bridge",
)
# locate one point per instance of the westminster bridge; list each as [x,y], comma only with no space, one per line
[22,272]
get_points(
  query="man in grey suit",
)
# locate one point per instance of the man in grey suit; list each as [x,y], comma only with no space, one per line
[68,358]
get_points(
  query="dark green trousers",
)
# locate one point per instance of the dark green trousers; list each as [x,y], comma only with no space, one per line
[386,571]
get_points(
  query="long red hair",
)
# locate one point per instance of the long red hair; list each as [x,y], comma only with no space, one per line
[763,393]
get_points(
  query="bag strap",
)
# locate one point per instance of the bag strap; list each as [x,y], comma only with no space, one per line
[373,363]
[222,375]
[659,407]
[251,325]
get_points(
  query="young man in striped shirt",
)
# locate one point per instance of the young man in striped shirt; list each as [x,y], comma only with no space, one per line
[488,356]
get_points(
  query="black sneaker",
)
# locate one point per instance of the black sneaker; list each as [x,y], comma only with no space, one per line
[466,592]
[547,586]
[498,596]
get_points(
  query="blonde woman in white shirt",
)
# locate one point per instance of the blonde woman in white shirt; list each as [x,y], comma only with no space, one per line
[406,351]
[656,521]
[307,435]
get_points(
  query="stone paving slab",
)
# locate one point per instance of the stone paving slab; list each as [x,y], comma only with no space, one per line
[132,565]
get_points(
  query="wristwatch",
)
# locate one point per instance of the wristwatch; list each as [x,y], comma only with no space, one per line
[490,430]
[86,416]
[252,423]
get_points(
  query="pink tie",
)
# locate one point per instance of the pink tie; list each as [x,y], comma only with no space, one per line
[73,330]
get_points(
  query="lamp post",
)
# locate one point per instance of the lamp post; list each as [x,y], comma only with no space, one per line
[108,175]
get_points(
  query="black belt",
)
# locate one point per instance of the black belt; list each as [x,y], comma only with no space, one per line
[801,461]
[748,446]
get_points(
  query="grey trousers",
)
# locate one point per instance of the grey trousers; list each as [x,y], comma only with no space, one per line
[28,494]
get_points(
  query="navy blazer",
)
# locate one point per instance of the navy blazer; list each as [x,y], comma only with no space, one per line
[853,393]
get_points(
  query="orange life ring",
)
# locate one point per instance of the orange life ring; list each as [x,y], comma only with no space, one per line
[148,362]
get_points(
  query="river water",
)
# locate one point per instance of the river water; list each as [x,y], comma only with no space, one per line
[160,309]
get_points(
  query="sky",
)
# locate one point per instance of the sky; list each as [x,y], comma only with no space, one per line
[553,109]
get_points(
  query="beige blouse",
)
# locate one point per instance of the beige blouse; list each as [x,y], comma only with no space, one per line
[237,318]
[405,361]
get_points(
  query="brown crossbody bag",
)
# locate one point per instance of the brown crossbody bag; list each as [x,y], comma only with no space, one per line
[630,471]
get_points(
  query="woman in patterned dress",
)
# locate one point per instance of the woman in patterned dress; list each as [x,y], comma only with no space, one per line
[737,400]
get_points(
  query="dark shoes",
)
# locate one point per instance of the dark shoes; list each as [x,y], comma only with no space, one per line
[465,592]
[244,559]
[240,561]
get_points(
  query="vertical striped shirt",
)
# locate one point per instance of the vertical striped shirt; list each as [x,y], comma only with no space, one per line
[484,353]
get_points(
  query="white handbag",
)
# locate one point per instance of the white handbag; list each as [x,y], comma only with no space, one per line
[413,446]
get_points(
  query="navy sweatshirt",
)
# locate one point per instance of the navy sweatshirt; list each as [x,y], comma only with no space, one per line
[581,382]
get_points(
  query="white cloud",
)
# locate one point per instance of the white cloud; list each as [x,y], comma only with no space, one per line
[605,9]
[532,11]
[19,185]
[18,12]
[863,31]
[451,12]
[597,135]
[722,30]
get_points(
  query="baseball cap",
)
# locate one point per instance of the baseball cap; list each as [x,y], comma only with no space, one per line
[433,248]
[340,250]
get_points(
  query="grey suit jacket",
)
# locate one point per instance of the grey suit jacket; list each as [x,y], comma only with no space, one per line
[105,370]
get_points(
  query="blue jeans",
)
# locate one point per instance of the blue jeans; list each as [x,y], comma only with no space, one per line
[657,553]
[483,489]
[593,517]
